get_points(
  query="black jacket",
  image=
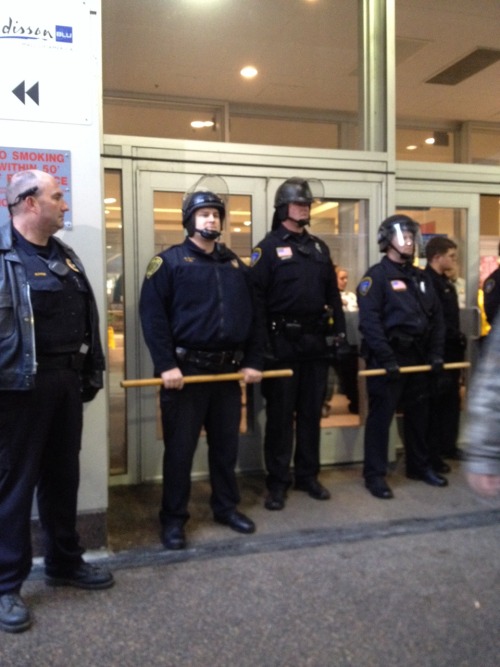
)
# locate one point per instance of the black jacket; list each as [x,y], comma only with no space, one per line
[398,300]
[295,282]
[199,301]
[455,340]
[17,334]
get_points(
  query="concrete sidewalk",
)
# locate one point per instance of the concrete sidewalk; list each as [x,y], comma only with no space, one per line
[356,581]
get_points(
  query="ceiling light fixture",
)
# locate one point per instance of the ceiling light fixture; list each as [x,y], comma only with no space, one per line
[198,124]
[411,147]
[248,72]
[430,141]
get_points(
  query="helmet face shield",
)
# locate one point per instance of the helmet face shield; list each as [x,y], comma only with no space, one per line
[295,190]
[393,232]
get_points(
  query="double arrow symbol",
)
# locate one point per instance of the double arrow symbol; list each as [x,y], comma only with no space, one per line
[20,92]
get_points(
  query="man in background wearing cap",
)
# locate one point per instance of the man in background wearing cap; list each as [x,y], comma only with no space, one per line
[299,299]
[198,317]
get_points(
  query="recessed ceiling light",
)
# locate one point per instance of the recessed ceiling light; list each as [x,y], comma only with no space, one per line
[412,147]
[430,141]
[202,123]
[110,200]
[248,72]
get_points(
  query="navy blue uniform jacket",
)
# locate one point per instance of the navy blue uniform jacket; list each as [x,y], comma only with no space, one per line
[198,301]
[399,299]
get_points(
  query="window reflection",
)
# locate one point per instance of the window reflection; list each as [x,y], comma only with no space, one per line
[115,319]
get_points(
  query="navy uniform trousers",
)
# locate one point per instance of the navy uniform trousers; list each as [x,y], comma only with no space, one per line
[296,400]
[410,393]
[216,406]
[40,435]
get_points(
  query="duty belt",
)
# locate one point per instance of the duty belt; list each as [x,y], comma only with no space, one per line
[60,362]
[211,357]
[297,325]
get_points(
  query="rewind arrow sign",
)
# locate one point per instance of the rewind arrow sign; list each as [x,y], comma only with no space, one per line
[20,92]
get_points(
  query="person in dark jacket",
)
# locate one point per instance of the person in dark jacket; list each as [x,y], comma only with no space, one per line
[198,317]
[482,424]
[298,297]
[51,361]
[491,291]
[401,322]
[441,254]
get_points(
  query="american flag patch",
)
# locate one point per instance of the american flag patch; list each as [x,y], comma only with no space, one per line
[284,253]
[398,285]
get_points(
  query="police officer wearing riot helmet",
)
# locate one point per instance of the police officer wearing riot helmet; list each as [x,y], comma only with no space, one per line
[298,295]
[198,317]
[401,323]
[51,361]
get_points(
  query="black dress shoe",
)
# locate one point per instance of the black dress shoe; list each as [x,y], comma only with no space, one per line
[379,488]
[14,614]
[275,499]
[313,488]
[236,521]
[441,467]
[84,575]
[173,536]
[429,477]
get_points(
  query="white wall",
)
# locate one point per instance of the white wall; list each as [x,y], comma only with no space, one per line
[66,64]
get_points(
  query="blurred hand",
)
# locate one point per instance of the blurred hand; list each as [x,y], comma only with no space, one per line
[173,379]
[251,375]
[485,485]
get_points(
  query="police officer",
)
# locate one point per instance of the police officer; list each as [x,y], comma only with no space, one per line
[441,254]
[198,317]
[401,323]
[299,298]
[51,361]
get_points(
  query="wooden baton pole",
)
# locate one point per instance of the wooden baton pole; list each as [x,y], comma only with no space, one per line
[194,379]
[371,372]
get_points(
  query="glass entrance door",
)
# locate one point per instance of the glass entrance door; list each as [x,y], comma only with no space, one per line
[340,218]
[455,216]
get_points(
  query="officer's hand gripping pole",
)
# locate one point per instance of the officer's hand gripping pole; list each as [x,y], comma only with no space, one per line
[195,379]
[371,372]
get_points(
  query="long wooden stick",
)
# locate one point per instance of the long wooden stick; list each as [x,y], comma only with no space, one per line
[371,372]
[194,379]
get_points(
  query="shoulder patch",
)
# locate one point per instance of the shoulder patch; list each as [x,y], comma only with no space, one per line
[153,266]
[489,285]
[364,285]
[255,256]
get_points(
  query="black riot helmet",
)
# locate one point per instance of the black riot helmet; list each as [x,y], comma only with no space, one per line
[393,226]
[201,199]
[293,191]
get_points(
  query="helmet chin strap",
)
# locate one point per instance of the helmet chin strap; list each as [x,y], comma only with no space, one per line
[208,234]
[403,255]
[300,223]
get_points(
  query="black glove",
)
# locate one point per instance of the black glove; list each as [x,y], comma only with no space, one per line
[91,383]
[437,366]
[392,369]
[341,350]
